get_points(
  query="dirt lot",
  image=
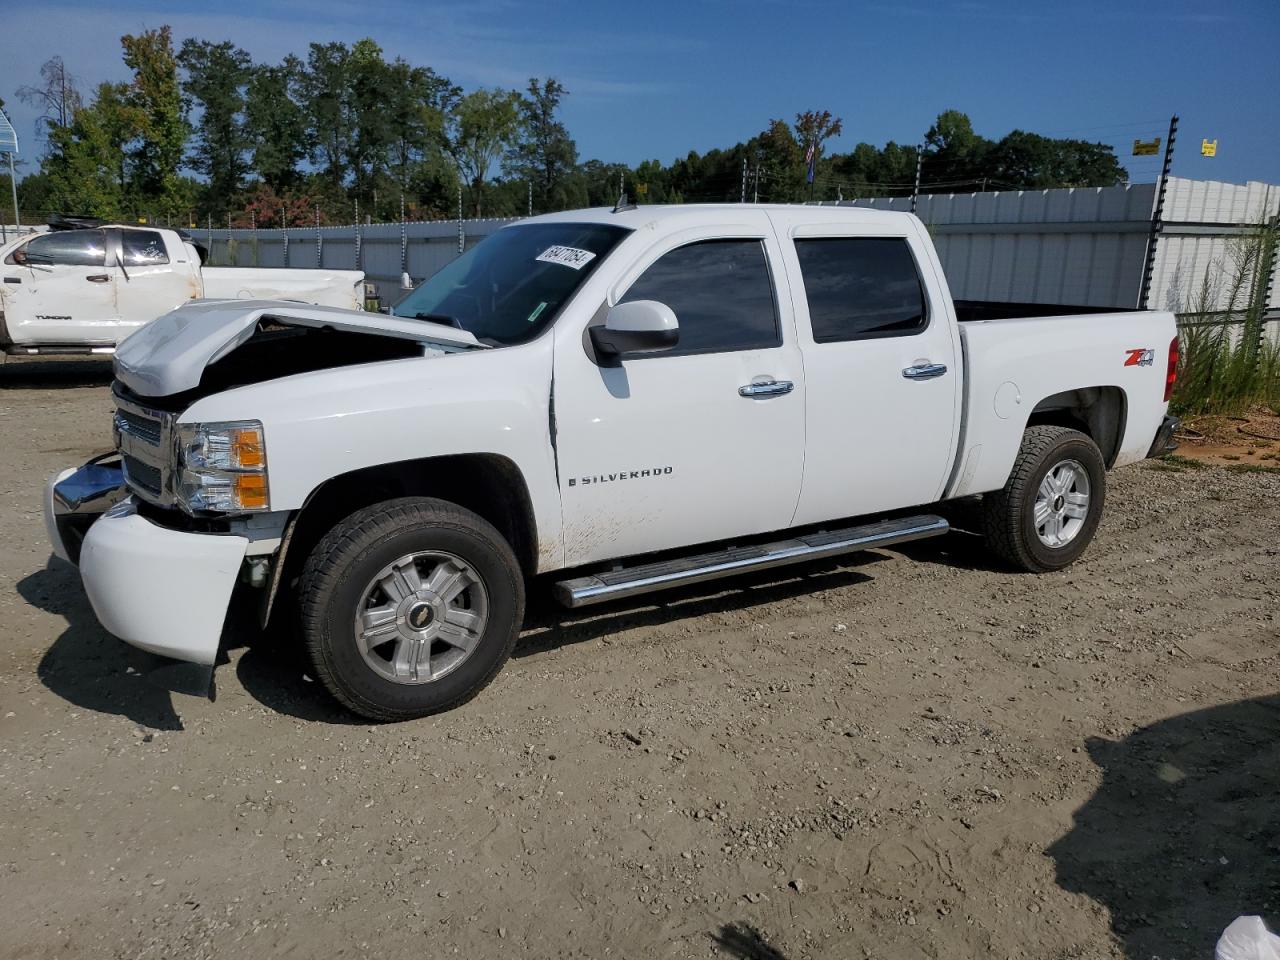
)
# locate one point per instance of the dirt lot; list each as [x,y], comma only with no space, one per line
[913,753]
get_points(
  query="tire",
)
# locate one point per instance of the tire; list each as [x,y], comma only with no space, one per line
[369,583]
[1009,515]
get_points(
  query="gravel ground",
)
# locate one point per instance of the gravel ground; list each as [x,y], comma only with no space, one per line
[908,754]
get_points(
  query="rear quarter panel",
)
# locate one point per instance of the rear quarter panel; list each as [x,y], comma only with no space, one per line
[1014,364]
[326,288]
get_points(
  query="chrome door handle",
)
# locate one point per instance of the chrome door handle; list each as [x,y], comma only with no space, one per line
[768,388]
[98,278]
[924,371]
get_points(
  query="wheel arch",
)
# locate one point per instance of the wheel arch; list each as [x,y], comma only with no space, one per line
[490,485]
[1097,412]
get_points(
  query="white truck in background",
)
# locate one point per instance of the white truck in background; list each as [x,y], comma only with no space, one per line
[82,291]
[620,400]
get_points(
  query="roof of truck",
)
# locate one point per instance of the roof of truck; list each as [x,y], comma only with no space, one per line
[639,216]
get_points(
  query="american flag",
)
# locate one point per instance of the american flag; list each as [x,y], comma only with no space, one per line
[810,157]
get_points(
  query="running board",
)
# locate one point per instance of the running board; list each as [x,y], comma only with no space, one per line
[628,582]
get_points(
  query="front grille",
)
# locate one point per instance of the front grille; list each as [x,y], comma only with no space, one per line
[144,428]
[142,475]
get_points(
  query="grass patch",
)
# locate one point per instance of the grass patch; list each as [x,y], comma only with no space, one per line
[1252,468]
[1173,460]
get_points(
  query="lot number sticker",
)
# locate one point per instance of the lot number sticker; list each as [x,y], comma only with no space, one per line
[566,256]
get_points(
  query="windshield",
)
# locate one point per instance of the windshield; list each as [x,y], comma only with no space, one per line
[510,286]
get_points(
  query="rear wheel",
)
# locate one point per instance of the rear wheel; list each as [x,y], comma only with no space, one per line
[1049,510]
[410,607]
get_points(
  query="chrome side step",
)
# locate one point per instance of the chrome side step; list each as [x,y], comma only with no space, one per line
[628,582]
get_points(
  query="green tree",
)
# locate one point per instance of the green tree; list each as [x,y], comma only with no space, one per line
[276,123]
[955,156]
[325,90]
[156,153]
[484,125]
[88,162]
[544,154]
[1022,159]
[217,74]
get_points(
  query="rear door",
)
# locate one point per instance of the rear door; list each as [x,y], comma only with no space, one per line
[701,443]
[64,293]
[882,368]
[148,280]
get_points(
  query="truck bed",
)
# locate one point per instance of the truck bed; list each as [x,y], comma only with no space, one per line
[974,310]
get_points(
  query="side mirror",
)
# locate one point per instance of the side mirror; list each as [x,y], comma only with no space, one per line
[638,327]
[20,257]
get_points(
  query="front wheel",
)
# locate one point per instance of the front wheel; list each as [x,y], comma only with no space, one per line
[410,607]
[1049,509]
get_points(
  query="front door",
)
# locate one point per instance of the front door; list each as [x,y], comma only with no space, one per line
[64,293]
[882,369]
[701,443]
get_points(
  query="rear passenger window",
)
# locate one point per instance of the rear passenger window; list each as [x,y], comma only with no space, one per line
[861,287]
[142,248]
[721,293]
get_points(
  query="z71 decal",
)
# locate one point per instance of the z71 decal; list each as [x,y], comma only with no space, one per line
[1144,357]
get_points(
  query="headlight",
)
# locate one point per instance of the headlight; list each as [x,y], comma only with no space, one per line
[222,467]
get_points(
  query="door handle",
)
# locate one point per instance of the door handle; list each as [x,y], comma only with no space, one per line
[12,279]
[98,278]
[767,388]
[924,371]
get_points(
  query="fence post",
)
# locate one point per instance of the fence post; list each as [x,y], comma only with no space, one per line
[319,242]
[253,232]
[284,225]
[1269,261]
[462,238]
[357,233]
[915,191]
[404,240]
[1157,214]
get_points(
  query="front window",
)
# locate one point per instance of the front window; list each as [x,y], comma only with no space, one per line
[510,286]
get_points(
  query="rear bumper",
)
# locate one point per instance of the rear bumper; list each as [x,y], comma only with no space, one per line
[1164,443]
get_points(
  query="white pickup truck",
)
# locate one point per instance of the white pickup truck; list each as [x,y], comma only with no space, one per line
[623,400]
[82,291]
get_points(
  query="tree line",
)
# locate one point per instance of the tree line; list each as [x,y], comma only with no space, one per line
[202,132]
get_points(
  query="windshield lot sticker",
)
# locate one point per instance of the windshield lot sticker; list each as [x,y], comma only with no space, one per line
[566,256]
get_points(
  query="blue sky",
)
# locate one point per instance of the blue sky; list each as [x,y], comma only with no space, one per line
[657,79]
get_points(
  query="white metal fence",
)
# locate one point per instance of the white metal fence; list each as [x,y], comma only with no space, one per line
[1075,246]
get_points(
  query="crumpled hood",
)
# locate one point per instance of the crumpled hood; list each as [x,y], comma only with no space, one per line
[169,355]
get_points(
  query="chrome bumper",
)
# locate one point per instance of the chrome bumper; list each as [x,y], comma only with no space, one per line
[77,497]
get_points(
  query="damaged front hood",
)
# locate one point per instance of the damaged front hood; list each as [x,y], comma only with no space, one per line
[169,355]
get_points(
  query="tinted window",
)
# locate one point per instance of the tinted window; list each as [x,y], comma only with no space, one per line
[510,286]
[76,248]
[142,248]
[861,287]
[721,293]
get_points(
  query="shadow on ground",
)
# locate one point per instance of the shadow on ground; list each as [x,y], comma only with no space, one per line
[87,666]
[745,942]
[1183,835]
[53,373]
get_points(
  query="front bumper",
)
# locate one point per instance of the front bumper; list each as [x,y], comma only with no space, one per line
[1164,444]
[165,591]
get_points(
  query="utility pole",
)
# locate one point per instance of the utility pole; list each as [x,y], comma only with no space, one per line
[915,191]
[1157,215]
[743,197]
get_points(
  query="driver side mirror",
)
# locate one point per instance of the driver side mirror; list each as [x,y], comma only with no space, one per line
[638,327]
[20,257]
